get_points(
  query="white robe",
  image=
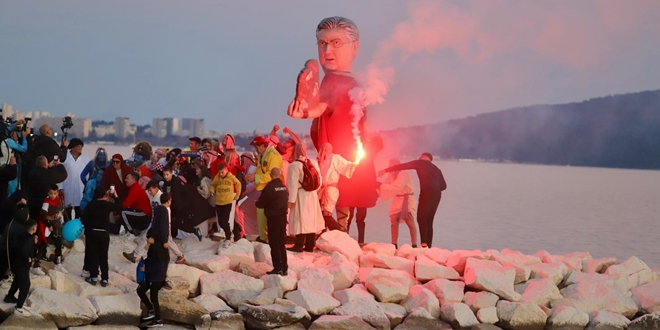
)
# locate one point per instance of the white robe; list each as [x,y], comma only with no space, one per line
[305,216]
[73,186]
[399,190]
[332,169]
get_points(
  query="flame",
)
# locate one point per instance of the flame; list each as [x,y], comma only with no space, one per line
[360,151]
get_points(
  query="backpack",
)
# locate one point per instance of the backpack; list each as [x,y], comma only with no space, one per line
[311,178]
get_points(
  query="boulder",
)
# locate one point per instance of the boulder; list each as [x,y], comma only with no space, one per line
[122,309]
[480,300]
[541,291]
[190,274]
[568,318]
[254,269]
[486,275]
[575,276]
[446,291]
[220,320]
[66,310]
[520,258]
[337,322]
[419,319]
[214,283]
[357,292]
[317,279]
[567,302]
[459,259]
[191,245]
[597,265]
[315,302]
[595,296]
[427,269]
[520,316]
[238,252]
[632,281]
[178,309]
[459,315]
[488,315]
[388,262]
[208,263]
[631,266]
[272,316]
[15,322]
[235,298]
[604,320]
[76,285]
[366,309]
[121,282]
[523,272]
[339,241]
[389,285]
[343,273]
[262,253]
[408,252]
[440,256]
[379,248]
[648,297]
[295,326]
[394,312]
[40,281]
[548,258]
[573,261]
[554,271]
[179,286]
[646,322]
[211,303]
[485,326]
[105,327]
[420,296]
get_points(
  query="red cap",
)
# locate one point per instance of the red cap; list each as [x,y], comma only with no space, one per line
[259,140]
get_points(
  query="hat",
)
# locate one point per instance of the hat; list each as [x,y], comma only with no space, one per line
[75,142]
[259,140]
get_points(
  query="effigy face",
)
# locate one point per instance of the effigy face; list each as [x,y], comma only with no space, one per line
[336,50]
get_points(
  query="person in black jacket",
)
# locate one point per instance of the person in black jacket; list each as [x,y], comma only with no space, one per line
[43,176]
[13,229]
[432,184]
[9,206]
[274,200]
[158,257]
[20,259]
[96,219]
[173,186]
[7,173]
[44,145]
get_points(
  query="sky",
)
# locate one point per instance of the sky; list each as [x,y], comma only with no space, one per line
[234,63]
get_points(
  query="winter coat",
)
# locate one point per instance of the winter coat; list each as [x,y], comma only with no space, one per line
[46,146]
[137,199]
[110,177]
[305,216]
[225,189]
[266,162]
[274,199]
[155,266]
[195,209]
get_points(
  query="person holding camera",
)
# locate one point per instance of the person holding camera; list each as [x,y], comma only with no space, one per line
[44,145]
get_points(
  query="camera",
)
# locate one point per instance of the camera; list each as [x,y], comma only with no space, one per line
[67,123]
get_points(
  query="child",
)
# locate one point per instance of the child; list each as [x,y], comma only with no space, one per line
[50,220]
[274,200]
[96,219]
[155,266]
[20,260]
[224,186]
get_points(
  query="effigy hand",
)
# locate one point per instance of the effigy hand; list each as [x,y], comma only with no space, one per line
[307,90]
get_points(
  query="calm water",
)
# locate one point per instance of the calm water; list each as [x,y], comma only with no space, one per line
[608,212]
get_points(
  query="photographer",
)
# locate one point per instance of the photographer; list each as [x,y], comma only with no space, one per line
[44,145]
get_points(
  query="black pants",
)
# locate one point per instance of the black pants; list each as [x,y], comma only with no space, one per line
[153,304]
[135,221]
[223,212]
[307,240]
[276,240]
[361,215]
[428,205]
[69,215]
[97,244]
[4,263]
[21,284]
[331,223]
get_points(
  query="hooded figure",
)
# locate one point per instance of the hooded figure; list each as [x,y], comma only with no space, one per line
[9,206]
[115,174]
[305,217]
[194,208]
[10,232]
[95,167]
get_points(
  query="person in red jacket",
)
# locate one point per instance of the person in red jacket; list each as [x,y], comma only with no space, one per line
[115,175]
[136,211]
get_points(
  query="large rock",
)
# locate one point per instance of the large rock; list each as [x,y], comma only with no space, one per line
[420,319]
[520,258]
[221,320]
[646,322]
[648,297]
[420,296]
[211,303]
[117,310]
[343,273]
[366,309]
[554,271]
[574,277]
[254,269]
[597,265]
[339,241]
[520,316]
[357,292]
[523,272]
[479,300]
[317,279]
[234,298]
[239,252]
[178,309]
[179,286]
[315,302]
[631,266]
[191,245]
[540,292]
[190,274]
[595,296]
[394,312]
[440,256]
[227,280]
[76,285]
[632,281]
[447,291]
[459,315]
[573,261]
[122,282]
[15,322]
[389,285]
[262,253]
[283,283]
[65,309]
[379,248]
[485,275]
[272,316]
[459,259]
[568,318]
[488,315]
[427,269]
[105,327]
[388,262]
[208,263]
[40,281]
[604,320]
[337,322]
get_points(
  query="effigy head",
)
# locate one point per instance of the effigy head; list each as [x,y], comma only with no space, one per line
[338,40]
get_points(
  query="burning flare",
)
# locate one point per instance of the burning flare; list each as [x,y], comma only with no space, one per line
[360,151]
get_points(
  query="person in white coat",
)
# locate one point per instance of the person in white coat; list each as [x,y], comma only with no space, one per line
[73,186]
[399,187]
[305,217]
[332,167]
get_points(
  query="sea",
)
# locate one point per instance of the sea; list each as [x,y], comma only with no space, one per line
[560,209]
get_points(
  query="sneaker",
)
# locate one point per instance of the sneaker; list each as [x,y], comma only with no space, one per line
[37,271]
[61,268]
[104,283]
[180,260]
[274,272]
[150,316]
[91,281]
[130,257]
[10,299]
[21,312]
[84,273]
[295,249]
[155,324]
[226,244]
[198,233]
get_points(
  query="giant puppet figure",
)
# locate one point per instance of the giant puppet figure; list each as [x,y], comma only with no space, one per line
[330,108]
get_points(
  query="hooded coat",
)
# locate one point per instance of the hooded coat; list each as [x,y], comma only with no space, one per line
[110,177]
[8,207]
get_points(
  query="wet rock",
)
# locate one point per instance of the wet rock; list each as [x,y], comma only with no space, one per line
[315,302]
[272,316]
[337,322]
[485,275]
[541,291]
[479,300]
[568,318]
[66,310]
[178,309]
[211,303]
[648,297]
[419,296]
[228,280]
[122,309]
[427,269]
[366,309]
[339,241]
[520,316]
[446,291]
[604,320]
[459,315]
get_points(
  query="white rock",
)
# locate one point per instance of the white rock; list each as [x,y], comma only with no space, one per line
[343,273]
[420,296]
[337,258]
[339,241]
[521,315]
[66,310]
[427,269]
[315,302]
[235,298]
[254,269]
[568,318]
[262,253]
[317,279]
[554,271]
[78,246]
[480,300]
[122,283]
[408,252]
[488,315]
[648,296]
[117,310]
[631,266]
[446,291]
[40,281]
[632,281]
[575,276]
[595,296]
[379,248]
[522,271]
[284,283]
[573,261]
[570,302]
[356,292]
[440,256]
[459,315]
[394,312]
[604,320]
[208,263]
[337,322]
[192,245]
[460,257]
[366,309]
[220,320]
[211,303]
[597,265]
[387,262]
[548,258]
[76,285]
[389,285]
[227,280]
[520,258]
[190,274]
[238,252]
[541,291]
[491,276]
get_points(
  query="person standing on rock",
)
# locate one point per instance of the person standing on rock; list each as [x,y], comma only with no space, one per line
[226,188]
[432,184]
[274,200]
[155,265]
[20,260]
[333,166]
[398,186]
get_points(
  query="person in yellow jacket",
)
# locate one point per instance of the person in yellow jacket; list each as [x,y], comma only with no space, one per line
[268,159]
[224,188]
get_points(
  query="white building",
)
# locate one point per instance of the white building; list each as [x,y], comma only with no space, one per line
[122,127]
[194,126]
[159,127]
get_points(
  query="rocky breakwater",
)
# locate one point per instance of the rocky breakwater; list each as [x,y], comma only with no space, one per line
[343,286]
